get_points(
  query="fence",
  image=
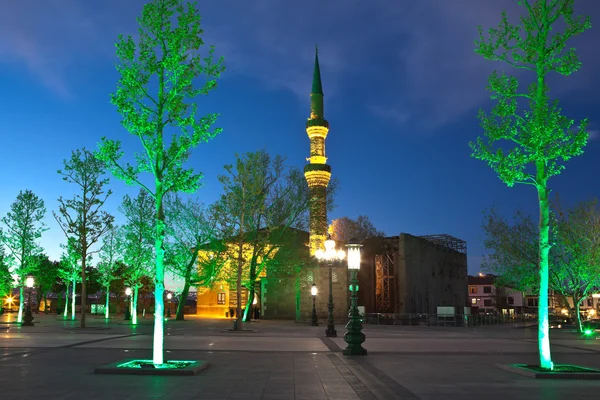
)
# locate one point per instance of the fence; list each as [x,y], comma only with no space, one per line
[445,320]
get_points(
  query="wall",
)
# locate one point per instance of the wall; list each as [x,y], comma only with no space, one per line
[429,275]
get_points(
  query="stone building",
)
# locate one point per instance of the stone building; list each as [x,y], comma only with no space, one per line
[409,274]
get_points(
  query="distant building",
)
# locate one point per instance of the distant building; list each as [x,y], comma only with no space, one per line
[409,274]
[485,298]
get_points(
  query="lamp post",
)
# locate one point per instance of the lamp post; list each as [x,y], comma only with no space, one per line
[28,319]
[313,291]
[127,311]
[330,255]
[169,297]
[354,336]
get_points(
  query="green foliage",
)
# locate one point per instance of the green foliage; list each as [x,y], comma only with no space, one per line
[514,245]
[109,255]
[137,237]
[539,135]
[46,274]
[6,279]
[70,263]
[24,227]
[154,92]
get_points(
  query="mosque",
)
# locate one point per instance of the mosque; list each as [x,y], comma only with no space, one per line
[399,274]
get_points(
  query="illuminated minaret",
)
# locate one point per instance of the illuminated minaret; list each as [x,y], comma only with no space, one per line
[317,173]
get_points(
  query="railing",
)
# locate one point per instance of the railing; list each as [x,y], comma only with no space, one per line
[445,320]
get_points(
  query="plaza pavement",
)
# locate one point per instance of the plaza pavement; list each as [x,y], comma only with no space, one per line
[282,360]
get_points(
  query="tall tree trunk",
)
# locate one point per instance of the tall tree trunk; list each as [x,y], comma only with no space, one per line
[66,310]
[134,303]
[577,306]
[45,302]
[250,303]
[21,301]
[182,300]
[83,288]
[238,310]
[544,249]
[73,300]
[106,311]
[159,278]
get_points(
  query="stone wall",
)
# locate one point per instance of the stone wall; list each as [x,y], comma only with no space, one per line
[429,275]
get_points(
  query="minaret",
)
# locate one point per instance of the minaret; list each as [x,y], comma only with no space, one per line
[317,173]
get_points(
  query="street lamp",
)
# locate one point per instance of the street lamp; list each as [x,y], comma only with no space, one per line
[28,319]
[313,291]
[330,255]
[127,311]
[169,297]
[354,336]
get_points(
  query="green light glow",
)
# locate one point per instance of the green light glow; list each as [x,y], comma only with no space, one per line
[21,301]
[588,332]
[73,302]
[66,302]
[148,363]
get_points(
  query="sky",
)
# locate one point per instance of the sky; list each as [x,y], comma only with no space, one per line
[402,88]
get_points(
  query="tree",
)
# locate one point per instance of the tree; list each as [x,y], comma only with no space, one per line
[46,275]
[82,218]
[541,137]
[262,203]
[24,223]
[137,238]
[69,271]
[110,255]
[343,229]
[192,227]
[577,249]
[499,297]
[514,258]
[6,279]
[157,78]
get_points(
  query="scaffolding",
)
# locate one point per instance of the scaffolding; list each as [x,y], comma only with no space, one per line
[447,241]
[384,270]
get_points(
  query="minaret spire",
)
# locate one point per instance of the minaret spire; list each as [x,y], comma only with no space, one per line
[317,173]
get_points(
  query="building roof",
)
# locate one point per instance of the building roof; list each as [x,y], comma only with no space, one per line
[482,280]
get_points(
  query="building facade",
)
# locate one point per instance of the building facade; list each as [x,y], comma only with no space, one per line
[409,274]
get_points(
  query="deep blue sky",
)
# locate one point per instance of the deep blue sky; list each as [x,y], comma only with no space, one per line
[402,87]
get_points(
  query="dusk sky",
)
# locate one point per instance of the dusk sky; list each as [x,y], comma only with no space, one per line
[402,88]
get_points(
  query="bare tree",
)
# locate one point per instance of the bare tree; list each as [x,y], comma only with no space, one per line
[344,229]
[82,218]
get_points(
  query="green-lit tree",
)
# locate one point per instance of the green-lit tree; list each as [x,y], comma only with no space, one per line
[158,76]
[262,202]
[109,256]
[46,276]
[531,146]
[24,227]
[514,249]
[576,270]
[138,244]
[6,279]
[82,218]
[69,271]
[191,227]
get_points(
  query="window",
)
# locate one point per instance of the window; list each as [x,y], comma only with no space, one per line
[487,289]
[590,302]
[532,302]
[220,298]
[472,289]
[510,300]
[473,301]
[487,302]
